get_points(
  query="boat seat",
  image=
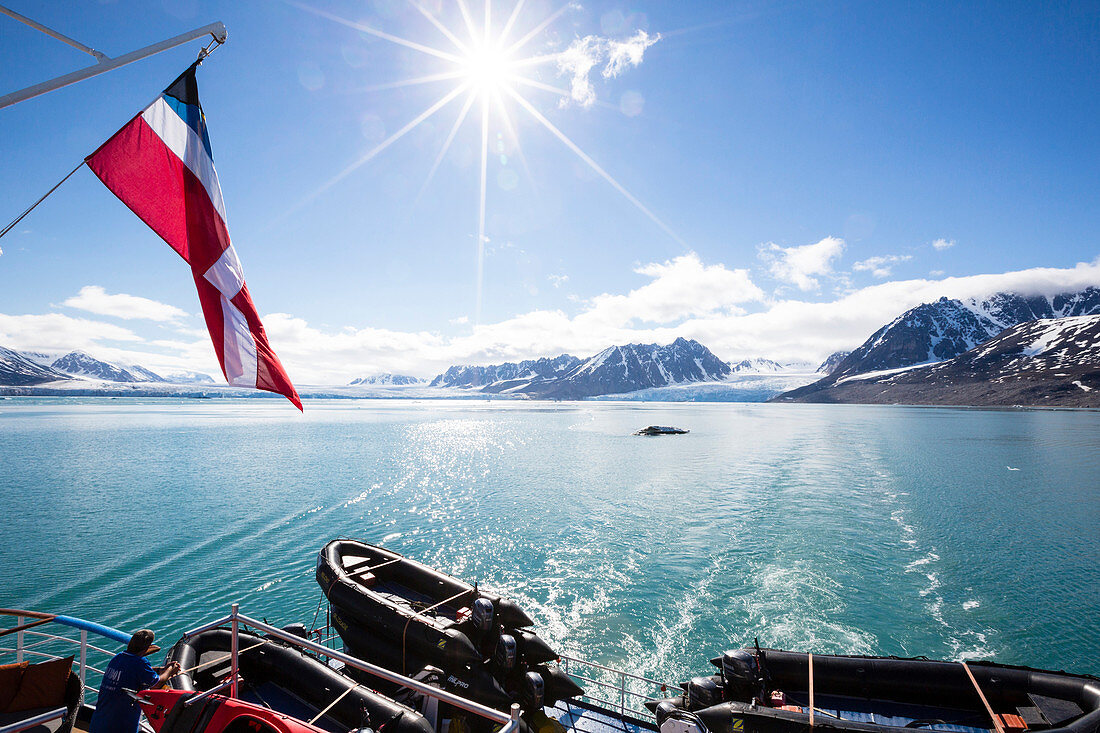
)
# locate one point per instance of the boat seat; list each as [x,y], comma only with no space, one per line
[1055,711]
[33,689]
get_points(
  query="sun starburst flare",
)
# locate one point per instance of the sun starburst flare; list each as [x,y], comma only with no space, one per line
[487,69]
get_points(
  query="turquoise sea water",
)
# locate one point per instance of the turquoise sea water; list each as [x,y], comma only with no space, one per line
[944,532]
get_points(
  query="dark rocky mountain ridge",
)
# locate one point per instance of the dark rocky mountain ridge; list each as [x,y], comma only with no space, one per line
[1047,362]
[17,370]
[946,328]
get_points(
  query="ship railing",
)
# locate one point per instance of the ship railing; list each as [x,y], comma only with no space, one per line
[622,691]
[40,637]
[235,620]
[617,689]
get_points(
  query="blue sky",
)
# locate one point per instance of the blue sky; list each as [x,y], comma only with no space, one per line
[803,158]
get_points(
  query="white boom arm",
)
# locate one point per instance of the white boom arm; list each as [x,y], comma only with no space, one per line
[105,63]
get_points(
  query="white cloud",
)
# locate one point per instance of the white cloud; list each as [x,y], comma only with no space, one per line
[95,299]
[681,288]
[584,54]
[56,332]
[657,312]
[622,55]
[941,244]
[880,266]
[801,266]
[558,280]
[577,61]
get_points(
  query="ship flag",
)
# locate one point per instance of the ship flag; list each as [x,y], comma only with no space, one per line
[160,165]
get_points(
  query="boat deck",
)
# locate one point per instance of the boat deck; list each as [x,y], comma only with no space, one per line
[579,717]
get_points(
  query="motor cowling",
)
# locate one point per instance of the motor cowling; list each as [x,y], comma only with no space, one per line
[740,675]
[482,615]
[533,694]
[505,655]
[298,629]
[703,693]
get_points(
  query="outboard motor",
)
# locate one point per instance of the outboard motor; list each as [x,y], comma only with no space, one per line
[504,658]
[482,615]
[298,629]
[702,693]
[533,695]
[741,675]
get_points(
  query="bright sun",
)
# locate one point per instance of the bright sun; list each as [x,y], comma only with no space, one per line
[487,68]
[486,65]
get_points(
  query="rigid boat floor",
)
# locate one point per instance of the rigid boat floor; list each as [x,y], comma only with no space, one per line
[884,712]
[402,595]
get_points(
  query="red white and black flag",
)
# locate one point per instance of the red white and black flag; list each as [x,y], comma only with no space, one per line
[160,165]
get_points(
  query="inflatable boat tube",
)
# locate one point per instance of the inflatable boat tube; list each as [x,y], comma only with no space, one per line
[850,692]
[532,649]
[288,680]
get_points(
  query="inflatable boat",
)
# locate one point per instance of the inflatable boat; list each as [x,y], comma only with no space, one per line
[169,711]
[434,617]
[291,682]
[497,682]
[772,691]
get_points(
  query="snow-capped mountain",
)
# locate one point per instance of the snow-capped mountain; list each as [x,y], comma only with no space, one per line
[387,379]
[16,370]
[944,329]
[832,361]
[189,378]
[758,365]
[619,369]
[1047,362]
[80,364]
[144,375]
[502,377]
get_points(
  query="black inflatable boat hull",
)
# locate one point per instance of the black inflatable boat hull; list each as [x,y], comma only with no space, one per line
[935,695]
[398,598]
[473,680]
[428,581]
[310,680]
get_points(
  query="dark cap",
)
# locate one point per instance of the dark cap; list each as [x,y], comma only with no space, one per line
[141,643]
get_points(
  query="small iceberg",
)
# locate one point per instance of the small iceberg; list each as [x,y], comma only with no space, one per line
[661,430]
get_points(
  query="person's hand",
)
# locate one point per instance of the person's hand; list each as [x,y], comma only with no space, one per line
[174,669]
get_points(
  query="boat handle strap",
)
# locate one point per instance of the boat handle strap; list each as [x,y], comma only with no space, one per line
[988,708]
[332,704]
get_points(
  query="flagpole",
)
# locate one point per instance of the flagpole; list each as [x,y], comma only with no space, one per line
[217,30]
[32,207]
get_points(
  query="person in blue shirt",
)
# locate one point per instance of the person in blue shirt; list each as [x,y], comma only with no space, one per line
[115,711]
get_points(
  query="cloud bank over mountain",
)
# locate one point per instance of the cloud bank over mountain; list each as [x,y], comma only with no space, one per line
[729,309]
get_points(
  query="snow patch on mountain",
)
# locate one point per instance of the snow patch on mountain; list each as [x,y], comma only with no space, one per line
[385,379]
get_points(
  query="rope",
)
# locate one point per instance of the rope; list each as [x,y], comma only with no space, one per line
[416,613]
[212,662]
[343,694]
[32,207]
